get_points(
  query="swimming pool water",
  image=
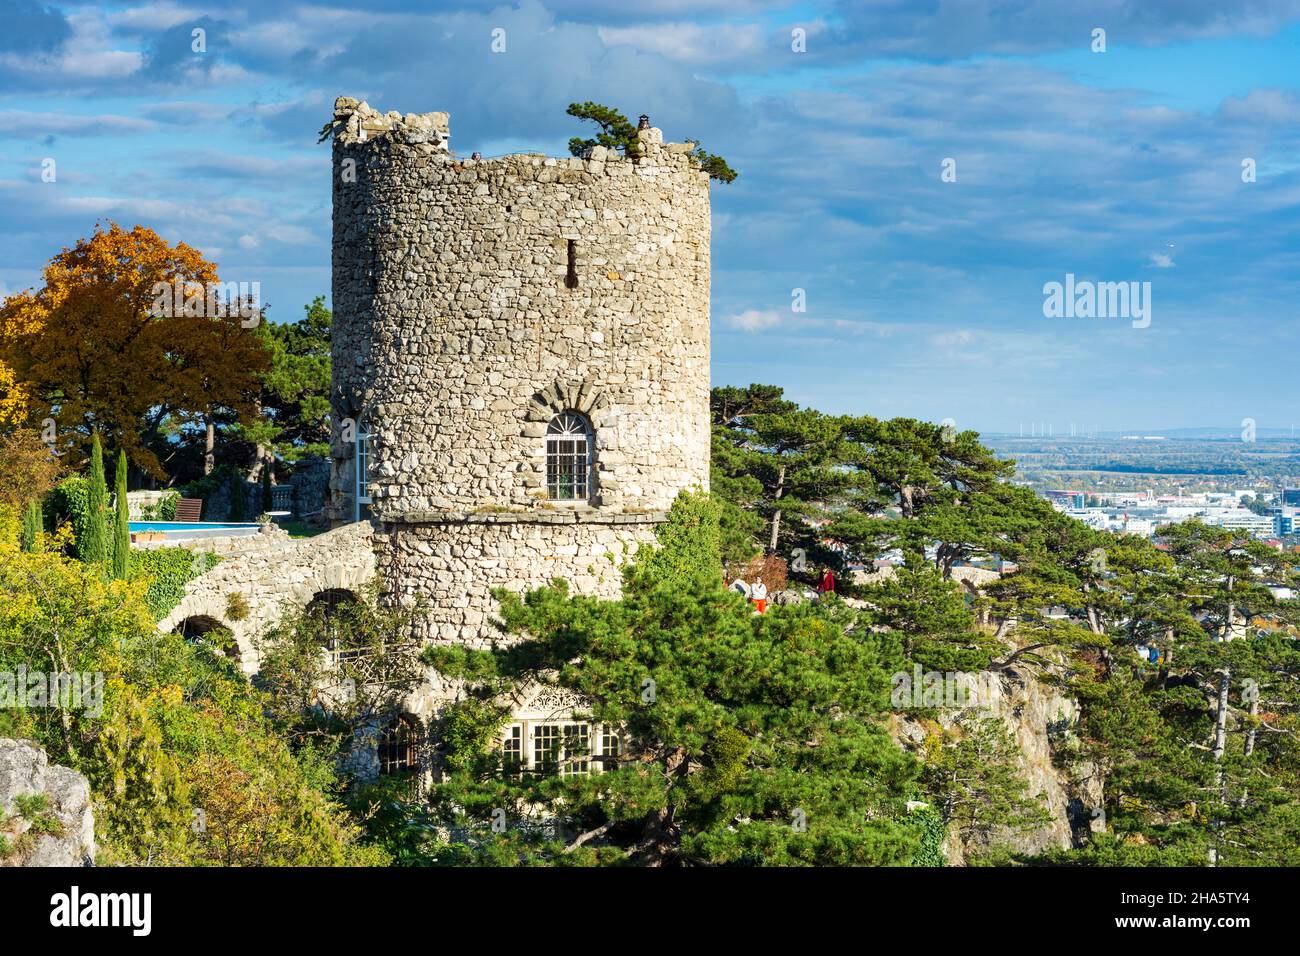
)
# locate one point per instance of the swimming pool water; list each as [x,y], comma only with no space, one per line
[189,525]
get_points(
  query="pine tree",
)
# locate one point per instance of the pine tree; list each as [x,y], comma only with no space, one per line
[778,757]
[122,525]
[93,546]
[33,525]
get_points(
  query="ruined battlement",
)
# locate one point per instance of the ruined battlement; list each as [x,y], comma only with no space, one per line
[357,123]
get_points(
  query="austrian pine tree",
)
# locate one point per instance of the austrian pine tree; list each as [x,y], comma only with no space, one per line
[741,738]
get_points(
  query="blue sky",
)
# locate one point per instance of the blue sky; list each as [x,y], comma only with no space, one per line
[924,297]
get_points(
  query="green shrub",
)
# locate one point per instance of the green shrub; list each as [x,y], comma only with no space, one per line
[929,821]
[33,525]
[164,509]
[120,552]
[69,502]
[168,570]
[94,546]
[237,608]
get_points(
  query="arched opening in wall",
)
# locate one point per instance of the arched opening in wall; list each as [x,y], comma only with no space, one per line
[570,443]
[571,276]
[399,746]
[209,632]
[330,610]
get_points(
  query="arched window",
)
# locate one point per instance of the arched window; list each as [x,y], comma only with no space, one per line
[209,632]
[569,447]
[399,748]
[332,608]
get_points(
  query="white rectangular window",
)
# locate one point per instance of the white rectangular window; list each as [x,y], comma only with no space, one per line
[577,747]
[563,748]
[611,746]
[512,750]
[362,495]
[546,748]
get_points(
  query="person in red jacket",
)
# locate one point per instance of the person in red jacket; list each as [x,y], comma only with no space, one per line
[827,585]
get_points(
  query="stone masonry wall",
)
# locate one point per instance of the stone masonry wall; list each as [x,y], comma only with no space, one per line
[456,565]
[272,571]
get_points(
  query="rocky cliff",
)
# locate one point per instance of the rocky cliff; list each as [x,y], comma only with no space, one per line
[1041,721]
[45,814]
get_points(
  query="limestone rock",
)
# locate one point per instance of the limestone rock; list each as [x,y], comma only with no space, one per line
[25,770]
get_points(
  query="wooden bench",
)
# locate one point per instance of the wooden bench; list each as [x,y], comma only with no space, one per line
[189,509]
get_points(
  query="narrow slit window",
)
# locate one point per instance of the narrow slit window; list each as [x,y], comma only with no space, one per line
[571,277]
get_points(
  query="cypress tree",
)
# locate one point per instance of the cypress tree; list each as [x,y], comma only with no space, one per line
[93,546]
[236,496]
[121,527]
[268,502]
[33,525]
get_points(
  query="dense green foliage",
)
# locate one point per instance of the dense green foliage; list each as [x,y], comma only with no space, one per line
[183,764]
[165,572]
[29,538]
[745,739]
[295,388]
[325,699]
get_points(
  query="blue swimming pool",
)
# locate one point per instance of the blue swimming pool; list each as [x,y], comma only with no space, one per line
[191,525]
[169,532]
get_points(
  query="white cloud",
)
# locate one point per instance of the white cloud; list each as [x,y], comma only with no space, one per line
[752,320]
[953,340]
[714,44]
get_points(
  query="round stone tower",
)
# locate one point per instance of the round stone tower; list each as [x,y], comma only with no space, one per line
[521,358]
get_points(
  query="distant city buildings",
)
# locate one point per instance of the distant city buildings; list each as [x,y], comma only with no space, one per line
[1142,512]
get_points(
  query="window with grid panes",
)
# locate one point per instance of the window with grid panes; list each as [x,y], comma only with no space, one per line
[512,750]
[568,458]
[577,745]
[546,748]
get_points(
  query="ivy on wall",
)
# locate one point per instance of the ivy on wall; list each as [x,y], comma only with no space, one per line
[168,570]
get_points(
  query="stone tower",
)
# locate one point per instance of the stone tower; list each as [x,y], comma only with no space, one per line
[525,342]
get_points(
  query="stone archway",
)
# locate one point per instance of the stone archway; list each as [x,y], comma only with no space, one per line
[207,630]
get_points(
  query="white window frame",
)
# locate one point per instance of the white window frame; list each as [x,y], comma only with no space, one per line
[565,420]
[591,762]
[361,475]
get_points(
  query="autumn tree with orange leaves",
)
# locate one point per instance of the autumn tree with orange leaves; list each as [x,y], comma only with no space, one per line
[92,350]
